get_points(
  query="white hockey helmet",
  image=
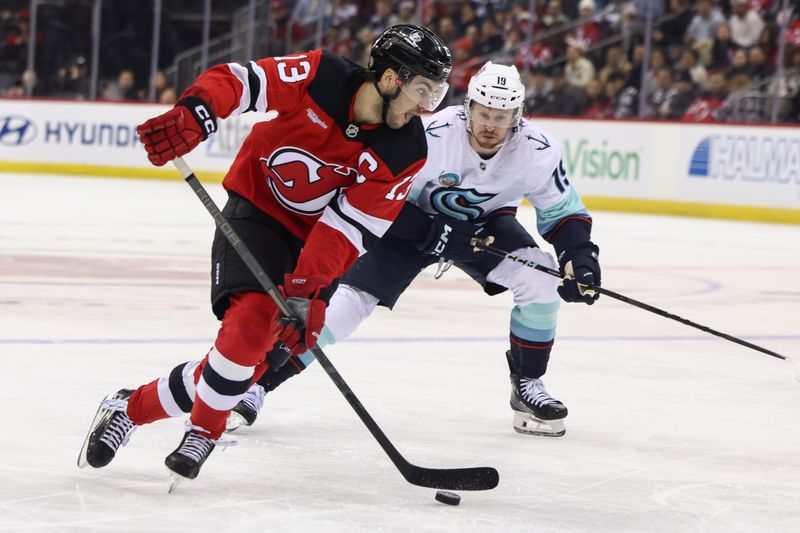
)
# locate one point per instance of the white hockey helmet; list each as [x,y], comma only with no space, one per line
[496,87]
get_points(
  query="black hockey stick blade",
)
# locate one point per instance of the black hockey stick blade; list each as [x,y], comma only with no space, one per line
[477,478]
[480,478]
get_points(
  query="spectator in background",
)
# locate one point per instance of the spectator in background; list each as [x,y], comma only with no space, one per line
[757,67]
[467,18]
[746,24]
[738,64]
[406,13]
[167,96]
[615,62]
[623,98]
[363,44]
[768,41]
[565,99]
[588,33]
[671,33]
[704,108]
[723,48]
[658,101]
[343,12]
[571,8]
[637,64]
[629,25]
[704,24]
[553,16]
[381,19]
[690,62]
[658,60]
[793,74]
[578,70]
[490,41]
[123,89]
[685,95]
[465,64]
[447,29]
[514,50]
[72,81]
[472,34]
[730,110]
[597,103]
[162,86]
[537,91]
[30,83]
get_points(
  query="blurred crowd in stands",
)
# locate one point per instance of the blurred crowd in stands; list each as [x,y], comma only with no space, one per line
[709,60]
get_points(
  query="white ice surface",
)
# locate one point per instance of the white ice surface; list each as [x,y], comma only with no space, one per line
[103,284]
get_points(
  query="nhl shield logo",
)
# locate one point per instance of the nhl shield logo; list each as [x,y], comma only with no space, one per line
[449,179]
[351,131]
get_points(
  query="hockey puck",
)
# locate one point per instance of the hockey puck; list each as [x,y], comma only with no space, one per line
[450,498]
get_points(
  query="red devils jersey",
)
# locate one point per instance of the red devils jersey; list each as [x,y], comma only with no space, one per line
[312,162]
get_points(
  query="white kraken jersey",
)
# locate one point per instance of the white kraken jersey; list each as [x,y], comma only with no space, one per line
[457,182]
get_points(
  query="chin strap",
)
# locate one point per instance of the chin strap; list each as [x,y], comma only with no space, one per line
[385,98]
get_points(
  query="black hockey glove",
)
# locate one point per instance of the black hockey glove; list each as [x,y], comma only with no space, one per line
[449,238]
[582,268]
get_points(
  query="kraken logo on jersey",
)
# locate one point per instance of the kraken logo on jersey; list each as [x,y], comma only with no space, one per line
[460,204]
[449,179]
[302,182]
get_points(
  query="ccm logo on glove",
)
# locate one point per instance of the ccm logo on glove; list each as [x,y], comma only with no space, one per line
[442,244]
[204,117]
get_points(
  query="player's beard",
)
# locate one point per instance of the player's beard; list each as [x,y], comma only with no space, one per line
[490,147]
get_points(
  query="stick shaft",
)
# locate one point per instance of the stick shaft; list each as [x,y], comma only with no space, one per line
[478,478]
[622,298]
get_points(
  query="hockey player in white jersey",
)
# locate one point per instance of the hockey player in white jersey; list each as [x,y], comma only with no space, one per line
[483,159]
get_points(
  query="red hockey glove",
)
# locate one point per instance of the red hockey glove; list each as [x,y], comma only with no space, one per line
[178,131]
[305,297]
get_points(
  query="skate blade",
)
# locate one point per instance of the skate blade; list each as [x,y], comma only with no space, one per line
[175,480]
[98,417]
[234,422]
[527,424]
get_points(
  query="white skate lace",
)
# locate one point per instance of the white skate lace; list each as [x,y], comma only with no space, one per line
[197,446]
[532,390]
[254,398]
[121,427]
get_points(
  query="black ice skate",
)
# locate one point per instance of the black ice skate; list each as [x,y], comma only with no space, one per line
[110,429]
[535,411]
[246,411]
[191,453]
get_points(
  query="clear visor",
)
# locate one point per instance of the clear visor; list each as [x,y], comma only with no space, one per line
[496,118]
[427,94]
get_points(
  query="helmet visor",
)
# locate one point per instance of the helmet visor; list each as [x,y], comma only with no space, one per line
[426,93]
[496,118]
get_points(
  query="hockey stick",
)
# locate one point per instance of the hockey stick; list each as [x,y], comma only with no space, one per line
[485,246]
[478,478]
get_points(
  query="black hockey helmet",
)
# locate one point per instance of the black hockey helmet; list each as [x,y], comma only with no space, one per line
[411,50]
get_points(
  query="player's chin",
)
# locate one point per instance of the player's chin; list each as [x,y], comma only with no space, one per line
[399,120]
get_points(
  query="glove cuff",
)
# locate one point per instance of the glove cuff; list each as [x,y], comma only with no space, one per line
[201,112]
[587,248]
[311,287]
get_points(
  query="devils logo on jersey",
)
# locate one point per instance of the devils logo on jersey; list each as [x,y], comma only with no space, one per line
[302,182]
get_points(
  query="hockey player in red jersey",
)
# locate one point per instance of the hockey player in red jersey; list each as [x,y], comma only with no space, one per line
[309,192]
